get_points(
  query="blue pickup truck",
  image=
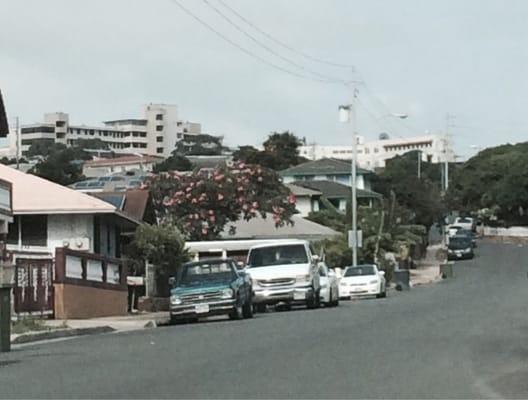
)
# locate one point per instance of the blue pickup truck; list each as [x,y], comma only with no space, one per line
[210,287]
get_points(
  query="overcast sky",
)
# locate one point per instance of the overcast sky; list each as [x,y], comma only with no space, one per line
[103,59]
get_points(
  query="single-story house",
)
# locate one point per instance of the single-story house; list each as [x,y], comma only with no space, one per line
[306,200]
[66,246]
[105,166]
[339,194]
[327,169]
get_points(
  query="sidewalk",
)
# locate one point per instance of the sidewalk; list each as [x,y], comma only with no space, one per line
[428,270]
[75,327]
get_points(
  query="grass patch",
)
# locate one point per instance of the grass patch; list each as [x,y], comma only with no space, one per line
[28,325]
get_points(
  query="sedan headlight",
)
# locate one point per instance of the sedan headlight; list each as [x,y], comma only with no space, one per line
[175,300]
[468,250]
[303,278]
[227,293]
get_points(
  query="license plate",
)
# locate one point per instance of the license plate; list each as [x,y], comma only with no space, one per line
[459,255]
[201,308]
[298,296]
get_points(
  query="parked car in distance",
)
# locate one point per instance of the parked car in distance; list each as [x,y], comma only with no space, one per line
[284,272]
[363,280]
[469,234]
[329,286]
[453,229]
[210,287]
[466,223]
[460,247]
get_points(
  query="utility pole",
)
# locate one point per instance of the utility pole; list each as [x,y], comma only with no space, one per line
[419,164]
[449,118]
[348,114]
[17,133]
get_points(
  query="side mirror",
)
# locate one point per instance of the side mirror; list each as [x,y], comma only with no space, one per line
[382,273]
[316,258]
[240,266]
[172,281]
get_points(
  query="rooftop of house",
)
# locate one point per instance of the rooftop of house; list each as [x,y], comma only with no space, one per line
[34,195]
[260,228]
[125,160]
[336,190]
[324,166]
[133,203]
[300,191]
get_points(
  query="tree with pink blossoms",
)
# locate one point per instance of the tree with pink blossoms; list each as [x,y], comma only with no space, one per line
[202,204]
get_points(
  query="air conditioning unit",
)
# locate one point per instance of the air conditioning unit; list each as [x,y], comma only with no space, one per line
[80,243]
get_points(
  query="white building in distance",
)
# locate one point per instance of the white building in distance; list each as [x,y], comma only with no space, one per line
[155,134]
[375,153]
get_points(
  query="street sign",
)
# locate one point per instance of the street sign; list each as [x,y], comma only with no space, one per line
[351,238]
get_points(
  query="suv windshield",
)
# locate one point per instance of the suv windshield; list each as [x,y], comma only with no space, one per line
[360,271]
[459,243]
[207,272]
[277,255]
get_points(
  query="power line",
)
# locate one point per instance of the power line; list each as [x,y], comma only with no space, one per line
[246,51]
[284,45]
[269,49]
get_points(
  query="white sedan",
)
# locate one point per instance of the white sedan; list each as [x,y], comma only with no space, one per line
[363,280]
[329,286]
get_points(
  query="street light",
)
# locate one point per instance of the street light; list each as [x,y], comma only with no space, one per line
[347,114]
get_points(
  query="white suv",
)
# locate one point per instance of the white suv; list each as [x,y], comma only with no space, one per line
[284,272]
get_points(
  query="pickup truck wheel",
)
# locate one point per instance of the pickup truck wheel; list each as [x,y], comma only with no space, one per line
[237,312]
[247,310]
[314,301]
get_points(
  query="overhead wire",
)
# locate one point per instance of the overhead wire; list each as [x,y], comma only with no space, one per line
[249,52]
[284,45]
[269,49]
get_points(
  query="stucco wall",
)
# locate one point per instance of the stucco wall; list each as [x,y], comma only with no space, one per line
[303,205]
[67,227]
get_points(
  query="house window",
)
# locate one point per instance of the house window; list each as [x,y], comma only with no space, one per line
[159,139]
[179,135]
[159,128]
[142,134]
[376,150]
[159,117]
[60,124]
[159,150]
[34,230]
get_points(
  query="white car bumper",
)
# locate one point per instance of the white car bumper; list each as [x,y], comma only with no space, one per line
[346,291]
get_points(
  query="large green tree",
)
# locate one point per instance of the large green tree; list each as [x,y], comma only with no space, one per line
[281,151]
[422,196]
[62,167]
[175,162]
[496,178]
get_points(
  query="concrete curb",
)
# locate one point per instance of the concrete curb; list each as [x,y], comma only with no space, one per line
[61,333]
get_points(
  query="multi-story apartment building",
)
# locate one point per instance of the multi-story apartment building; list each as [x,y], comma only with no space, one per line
[154,134]
[374,154]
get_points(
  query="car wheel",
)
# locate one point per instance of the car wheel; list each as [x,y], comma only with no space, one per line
[237,312]
[247,310]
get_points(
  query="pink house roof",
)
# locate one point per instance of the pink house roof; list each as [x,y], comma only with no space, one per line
[34,195]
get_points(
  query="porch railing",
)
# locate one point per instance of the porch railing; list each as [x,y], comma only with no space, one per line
[87,269]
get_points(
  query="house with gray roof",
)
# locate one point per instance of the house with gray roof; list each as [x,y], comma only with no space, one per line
[339,194]
[327,169]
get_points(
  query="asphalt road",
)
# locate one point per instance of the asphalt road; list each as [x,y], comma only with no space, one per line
[462,338]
